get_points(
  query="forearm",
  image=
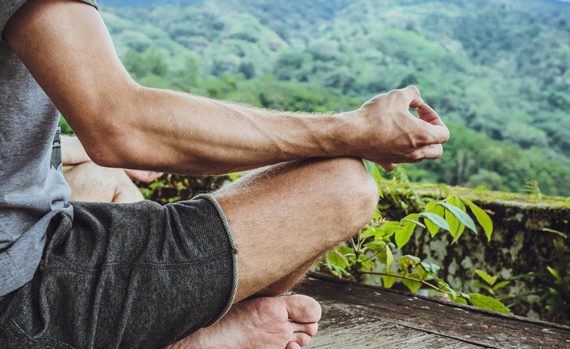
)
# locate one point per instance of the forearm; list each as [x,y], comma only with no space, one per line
[177,132]
[72,152]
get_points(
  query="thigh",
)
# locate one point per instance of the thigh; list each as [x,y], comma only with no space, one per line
[283,216]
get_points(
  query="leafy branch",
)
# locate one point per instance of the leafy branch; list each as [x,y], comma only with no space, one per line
[376,250]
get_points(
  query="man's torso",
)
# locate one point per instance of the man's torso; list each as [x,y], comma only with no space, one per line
[32,189]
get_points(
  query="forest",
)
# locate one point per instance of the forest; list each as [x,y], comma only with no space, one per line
[496,71]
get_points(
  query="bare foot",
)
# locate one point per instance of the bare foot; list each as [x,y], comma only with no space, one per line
[260,323]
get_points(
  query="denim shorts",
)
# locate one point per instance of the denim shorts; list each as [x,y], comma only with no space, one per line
[139,275]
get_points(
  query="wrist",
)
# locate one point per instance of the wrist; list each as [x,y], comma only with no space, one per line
[344,134]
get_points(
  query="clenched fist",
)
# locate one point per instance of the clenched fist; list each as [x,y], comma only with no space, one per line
[387,133]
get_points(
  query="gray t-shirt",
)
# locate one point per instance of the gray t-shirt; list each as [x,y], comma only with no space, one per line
[32,187]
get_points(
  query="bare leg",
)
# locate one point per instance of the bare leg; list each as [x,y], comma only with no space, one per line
[287,282]
[282,219]
[90,182]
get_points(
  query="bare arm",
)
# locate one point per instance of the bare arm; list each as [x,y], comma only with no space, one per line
[67,48]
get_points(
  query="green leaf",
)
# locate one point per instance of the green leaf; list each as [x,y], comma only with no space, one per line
[444,285]
[481,285]
[557,232]
[489,303]
[345,250]
[422,272]
[490,280]
[156,185]
[501,284]
[376,246]
[389,257]
[386,229]
[554,273]
[433,207]
[337,260]
[388,281]
[368,265]
[418,223]
[413,286]
[234,176]
[437,220]
[435,268]
[404,234]
[456,227]
[426,266]
[370,166]
[408,261]
[461,215]
[482,218]
[459,300]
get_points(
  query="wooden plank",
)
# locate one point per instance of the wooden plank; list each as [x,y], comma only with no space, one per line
[437,324]
[341,328]
[379,334]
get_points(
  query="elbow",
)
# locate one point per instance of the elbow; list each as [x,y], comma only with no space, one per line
[107,140]
[108,150]
[105,157]
[107,130]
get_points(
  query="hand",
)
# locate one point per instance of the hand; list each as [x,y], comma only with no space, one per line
[390,134]
[143,176]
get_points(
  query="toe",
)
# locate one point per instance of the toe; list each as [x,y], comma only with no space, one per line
[310,329]
[302,339]
[292,345]
[303,309]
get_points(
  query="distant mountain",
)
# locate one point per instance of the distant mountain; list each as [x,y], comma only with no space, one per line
[135,3]
[143,3]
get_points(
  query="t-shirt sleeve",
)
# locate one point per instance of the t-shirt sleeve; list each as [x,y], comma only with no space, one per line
[9,7]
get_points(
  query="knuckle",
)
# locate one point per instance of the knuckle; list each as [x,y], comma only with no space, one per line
[394,93]
[423,138]
[415,90]
[399,97]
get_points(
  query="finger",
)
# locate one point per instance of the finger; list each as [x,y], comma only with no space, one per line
[426,133]
[426,113]
[147,176]
[154,176]
[439,133]
[412,95]
[389,167]
[433,151]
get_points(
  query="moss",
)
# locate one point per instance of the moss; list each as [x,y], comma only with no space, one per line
[524,201]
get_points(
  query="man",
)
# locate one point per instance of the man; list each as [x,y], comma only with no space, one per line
[91,182]
[143,275]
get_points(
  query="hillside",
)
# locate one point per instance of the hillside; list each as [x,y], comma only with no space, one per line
[497,70]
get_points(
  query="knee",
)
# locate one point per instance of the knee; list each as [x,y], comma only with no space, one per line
[354,192]
[91,173]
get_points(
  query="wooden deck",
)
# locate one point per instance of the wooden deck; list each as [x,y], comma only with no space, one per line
[356,316]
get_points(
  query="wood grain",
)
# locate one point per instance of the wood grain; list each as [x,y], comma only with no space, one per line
[357,316]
